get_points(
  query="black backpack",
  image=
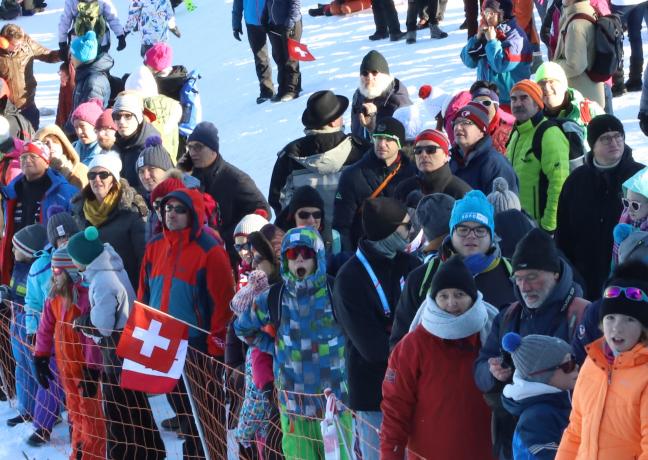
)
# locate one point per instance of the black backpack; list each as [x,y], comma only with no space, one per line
[574,133]
[608,43]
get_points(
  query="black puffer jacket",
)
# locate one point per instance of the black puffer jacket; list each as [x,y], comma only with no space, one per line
[367,328]
[124,228]
[357,183]
[588,209]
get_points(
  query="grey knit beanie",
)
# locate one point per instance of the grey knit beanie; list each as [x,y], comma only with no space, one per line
[30,239]
[535,352]
[502,198]
[154,154]
[433,214]
[60,223]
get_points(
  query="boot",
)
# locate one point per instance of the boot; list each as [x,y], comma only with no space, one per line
[315,12]
[464,25]
[396,36]
[171,424]
[436,32]
[634,79]
[17,420]
[411,37]
[618,86]
[378,36]
[537,61]
[39,437]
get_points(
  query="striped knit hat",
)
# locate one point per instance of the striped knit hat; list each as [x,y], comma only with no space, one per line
[61,259]
[30,239]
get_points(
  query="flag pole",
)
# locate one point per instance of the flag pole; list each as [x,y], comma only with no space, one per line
[194,410]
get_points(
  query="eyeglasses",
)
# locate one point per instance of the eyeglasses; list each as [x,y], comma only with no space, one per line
[125,115]
[567,367]
[304,251]
[240,247]
[365,73]
[531,278]
[431,149]
[607,139]
[178,209]
[103,175]
[196,147]
[488,13]
[307,215]
[630,293]
[463,231]
[634,205]
[462,122]
[28,157]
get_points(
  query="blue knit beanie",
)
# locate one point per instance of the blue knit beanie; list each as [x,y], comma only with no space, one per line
[206,133]
[473,207]
[85,48]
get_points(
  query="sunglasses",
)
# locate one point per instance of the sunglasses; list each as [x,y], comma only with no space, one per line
[125,115]
[240,247]
[630,293]
[365,73]
[307,215]
[178,209]
[634,205]
[431,149]
[103,175]
[304,251]
[567,367]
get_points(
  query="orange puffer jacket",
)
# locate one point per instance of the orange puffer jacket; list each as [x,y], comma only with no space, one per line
[609,419]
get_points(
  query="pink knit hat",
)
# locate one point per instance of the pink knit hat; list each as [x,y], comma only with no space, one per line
[88,111]
[159,57]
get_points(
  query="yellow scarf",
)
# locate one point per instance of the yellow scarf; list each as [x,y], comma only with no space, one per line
[98,213]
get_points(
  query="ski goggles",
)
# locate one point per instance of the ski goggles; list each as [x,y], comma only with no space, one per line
[567,367]
[630,293]
[304,251]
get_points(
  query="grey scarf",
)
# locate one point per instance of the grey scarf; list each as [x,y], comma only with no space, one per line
[389,246]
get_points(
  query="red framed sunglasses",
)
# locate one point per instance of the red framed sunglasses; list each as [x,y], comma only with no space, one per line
[567,367]
[304,251]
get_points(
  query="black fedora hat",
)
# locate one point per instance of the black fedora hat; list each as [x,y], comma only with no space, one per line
[323,107]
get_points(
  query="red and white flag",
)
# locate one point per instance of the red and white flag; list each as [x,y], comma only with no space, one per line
[153,345]
[299,51]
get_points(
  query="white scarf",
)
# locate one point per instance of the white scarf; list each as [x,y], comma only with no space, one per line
[478,318]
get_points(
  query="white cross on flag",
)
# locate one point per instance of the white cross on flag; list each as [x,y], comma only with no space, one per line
[298,51]
[154,347]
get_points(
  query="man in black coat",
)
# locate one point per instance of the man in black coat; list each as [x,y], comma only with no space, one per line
[378,173]
[590,202]
[132,132]
[235,192]
[321,154]
[378,96]
[431,154]
[366,290]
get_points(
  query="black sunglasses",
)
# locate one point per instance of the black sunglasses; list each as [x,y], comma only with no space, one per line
[103,175]
[365,73]
[306,215]
[125,115]
[240,247]
[178,209]
[431,149]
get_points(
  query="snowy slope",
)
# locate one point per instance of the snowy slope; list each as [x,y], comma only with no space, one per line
[251,134]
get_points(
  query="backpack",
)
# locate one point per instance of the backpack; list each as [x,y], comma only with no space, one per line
[89,18]
[191,105]
[574,133]
[608,45]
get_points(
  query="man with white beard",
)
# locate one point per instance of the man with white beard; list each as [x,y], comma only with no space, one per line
[378,95]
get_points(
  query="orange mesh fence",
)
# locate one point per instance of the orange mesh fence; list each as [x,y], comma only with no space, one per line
[107,421]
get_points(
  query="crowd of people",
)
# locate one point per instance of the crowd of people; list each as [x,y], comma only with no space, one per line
[466,274]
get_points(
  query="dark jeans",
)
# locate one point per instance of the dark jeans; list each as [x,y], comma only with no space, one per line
[257,37]
[471,9]
[288,75]
[385,16]
[414,6]
[632,17]
[32,114]
[144,49]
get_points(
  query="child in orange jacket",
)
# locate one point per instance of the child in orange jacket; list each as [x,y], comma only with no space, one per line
[77,357]
[609,419]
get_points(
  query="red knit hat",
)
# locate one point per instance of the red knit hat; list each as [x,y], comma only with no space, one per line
[89,111]
[435,136]
[532,89]
[159,57]
[37,148]
[475,112]
[165,187]
[105,120]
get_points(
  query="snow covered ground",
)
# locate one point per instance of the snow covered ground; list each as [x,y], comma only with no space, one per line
[251,134]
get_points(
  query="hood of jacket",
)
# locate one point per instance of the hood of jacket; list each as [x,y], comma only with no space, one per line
[522,394]
[637,356]
[309,237]
[193,200]
[108,260]
[103,63]
[54,130]
[330,161]
[626,158]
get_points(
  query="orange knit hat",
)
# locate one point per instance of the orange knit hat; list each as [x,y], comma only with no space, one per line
[532,89]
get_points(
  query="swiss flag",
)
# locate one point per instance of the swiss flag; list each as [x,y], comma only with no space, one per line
[154,347]
[298,51]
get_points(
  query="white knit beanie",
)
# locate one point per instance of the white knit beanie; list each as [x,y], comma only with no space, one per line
[142,81]
[109,160]
[132,102]
[250,223]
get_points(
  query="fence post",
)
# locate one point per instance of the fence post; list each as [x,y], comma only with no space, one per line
[195,415]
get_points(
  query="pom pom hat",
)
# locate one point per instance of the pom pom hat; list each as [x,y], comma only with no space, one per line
[85,246]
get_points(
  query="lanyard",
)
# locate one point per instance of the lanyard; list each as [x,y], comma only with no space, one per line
[374,279]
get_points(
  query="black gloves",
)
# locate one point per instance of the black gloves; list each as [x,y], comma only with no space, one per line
[90,382]
[237,33]
[63,50]
[643,122]
[121,42]
[43,373]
